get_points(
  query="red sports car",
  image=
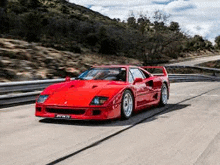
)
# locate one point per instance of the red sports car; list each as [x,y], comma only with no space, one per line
[104,92]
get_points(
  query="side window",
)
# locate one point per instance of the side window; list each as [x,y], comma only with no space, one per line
[130,77]
[145,74]
[137,73]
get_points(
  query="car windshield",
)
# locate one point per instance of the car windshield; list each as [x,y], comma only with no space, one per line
[115,74]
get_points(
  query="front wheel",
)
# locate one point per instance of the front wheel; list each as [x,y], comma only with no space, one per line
[127,105]
[164,95]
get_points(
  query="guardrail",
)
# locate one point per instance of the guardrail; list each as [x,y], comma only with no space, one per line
[23,86]
[191,78]
[23,91]
[26,91]
[212,70]
[18,98]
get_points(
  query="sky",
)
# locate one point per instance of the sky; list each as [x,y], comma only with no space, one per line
[195,17]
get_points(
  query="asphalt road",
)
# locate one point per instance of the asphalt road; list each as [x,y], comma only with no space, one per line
[185,132]
[196,61]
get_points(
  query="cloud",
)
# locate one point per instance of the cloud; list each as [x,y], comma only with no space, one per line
[110,3]
[162,2]
[208,30]
[194,16]
[100,9]
[202,29]
[180,5]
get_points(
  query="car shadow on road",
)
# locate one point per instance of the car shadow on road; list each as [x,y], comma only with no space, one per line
[143,116]
[166,110]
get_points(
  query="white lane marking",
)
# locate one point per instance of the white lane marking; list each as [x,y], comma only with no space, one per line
[212,95]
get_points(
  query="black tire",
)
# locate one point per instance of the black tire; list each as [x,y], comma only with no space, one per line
[163,95]
[127,105]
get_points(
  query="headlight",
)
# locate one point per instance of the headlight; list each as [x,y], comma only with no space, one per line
[98,100]
[42,98]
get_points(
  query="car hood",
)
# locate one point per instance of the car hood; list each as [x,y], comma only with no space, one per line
[81,92]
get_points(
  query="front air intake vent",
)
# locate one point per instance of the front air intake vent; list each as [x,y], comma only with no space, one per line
[156,96]
[66,111]
[38,109]
[96,112]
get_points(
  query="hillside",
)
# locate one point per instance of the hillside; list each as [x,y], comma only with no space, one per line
[66,26]
[43,38]
[20,60]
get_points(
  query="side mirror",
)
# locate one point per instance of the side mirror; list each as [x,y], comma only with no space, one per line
[67,79]
[136,80]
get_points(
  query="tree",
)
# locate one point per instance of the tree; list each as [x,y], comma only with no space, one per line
[160,17]
[143,23]
[108,46]
[217,41]
[4,21]
[196,43]
[102,33]
[208,45]
[92,39]
[32,26]
[3,3]
[174,26]
[23,2]
[30,3]
[159,26]
[64,9]
[131,22]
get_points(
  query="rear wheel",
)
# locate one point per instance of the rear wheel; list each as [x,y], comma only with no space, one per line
[127,105]
[164,95]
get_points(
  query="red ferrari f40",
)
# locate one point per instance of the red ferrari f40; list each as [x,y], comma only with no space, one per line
[105,92]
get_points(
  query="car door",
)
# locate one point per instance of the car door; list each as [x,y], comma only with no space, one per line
[152,90]
[141,88]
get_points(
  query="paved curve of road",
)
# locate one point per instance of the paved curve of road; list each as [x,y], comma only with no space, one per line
[185,132]
[196,61]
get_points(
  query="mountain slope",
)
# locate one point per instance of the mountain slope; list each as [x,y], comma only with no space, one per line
[20,60]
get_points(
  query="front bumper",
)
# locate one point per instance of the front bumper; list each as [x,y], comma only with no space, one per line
[80,113]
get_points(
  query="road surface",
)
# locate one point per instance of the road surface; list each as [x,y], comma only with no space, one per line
[185,132]
[196,61]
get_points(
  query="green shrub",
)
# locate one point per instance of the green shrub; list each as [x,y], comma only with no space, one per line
[217,41]
[174,26]
[108,46]
[92,39]
[4,21]
[3,3]
[32,24]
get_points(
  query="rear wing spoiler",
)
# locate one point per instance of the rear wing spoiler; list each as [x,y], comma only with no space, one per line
[156,67]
